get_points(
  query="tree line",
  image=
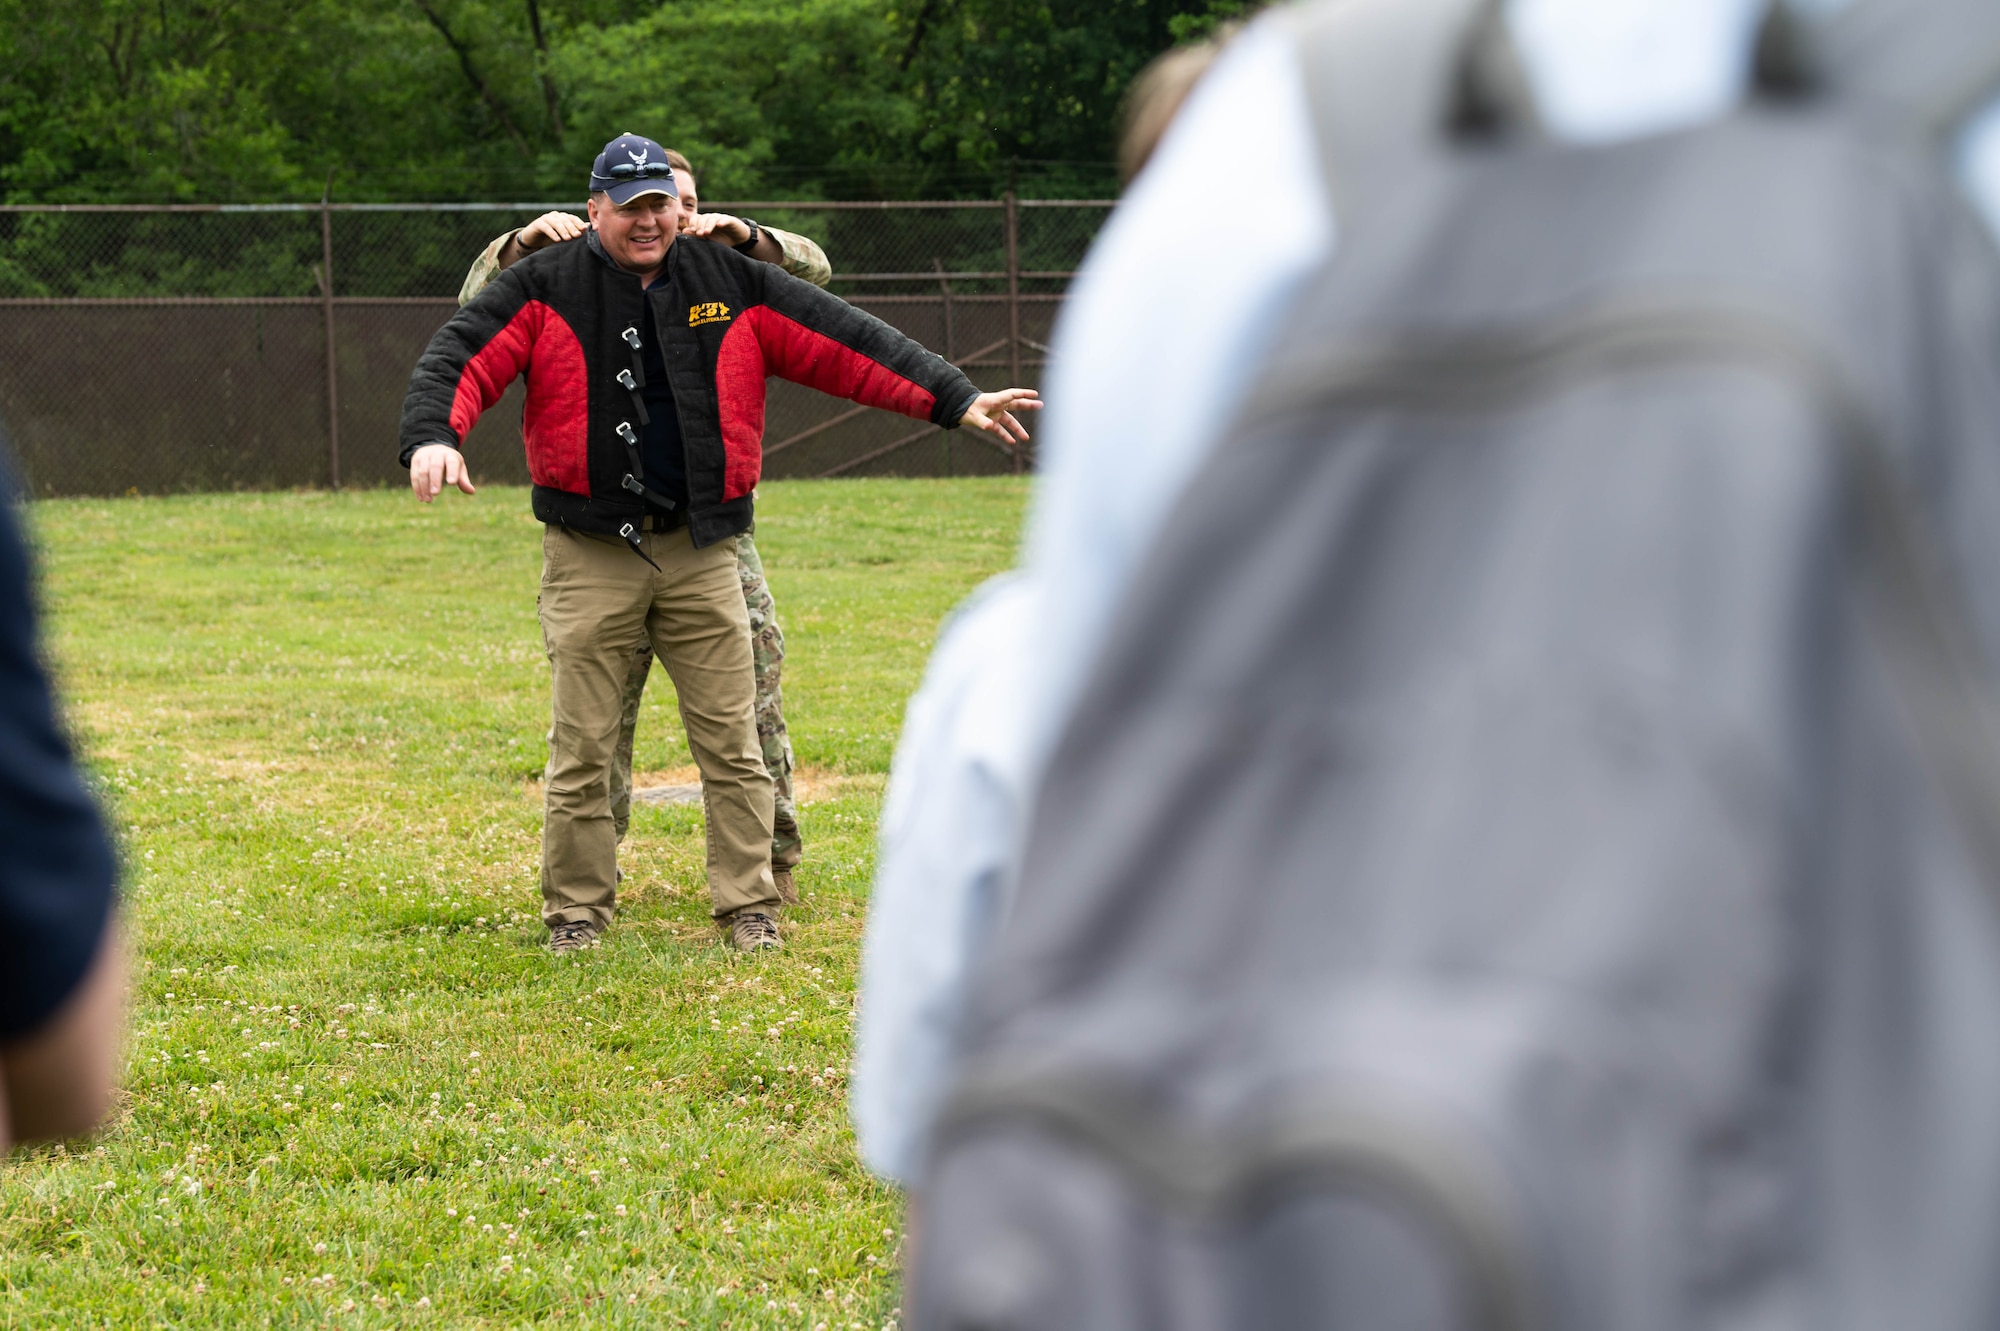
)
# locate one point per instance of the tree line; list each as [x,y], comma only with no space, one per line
[256,100]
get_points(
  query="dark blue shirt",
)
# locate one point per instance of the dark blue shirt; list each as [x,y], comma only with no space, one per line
[56,866]
[660,445]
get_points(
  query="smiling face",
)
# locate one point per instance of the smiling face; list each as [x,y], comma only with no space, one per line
[636,234]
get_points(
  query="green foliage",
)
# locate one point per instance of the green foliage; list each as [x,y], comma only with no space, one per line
[1194,26]
[235,100]
[115,99]
[356,1084]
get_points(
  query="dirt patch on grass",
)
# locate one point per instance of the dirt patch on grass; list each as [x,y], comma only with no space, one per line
[810,785]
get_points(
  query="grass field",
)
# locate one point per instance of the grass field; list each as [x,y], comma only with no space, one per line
[358,1093]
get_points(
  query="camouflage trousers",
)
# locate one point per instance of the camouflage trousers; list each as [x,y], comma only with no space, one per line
[767,642]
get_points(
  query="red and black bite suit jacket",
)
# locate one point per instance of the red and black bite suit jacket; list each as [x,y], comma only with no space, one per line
[726,322]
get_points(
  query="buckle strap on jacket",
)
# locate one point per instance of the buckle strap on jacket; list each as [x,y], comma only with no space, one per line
[632,381]
[633,479]
[631,535]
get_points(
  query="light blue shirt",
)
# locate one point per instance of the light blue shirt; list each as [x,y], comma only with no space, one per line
[1139,388]
[1979,164]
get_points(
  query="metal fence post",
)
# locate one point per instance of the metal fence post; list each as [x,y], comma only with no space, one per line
[950,347]
[326,304]
[1014,310]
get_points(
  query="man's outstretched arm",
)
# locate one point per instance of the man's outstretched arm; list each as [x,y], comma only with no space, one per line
[462,373]
[819,340]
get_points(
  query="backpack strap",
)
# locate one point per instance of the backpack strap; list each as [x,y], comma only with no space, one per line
[1380,75]
[1391,81]
[1932,63]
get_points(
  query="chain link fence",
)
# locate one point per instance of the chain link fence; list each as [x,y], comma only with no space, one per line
[157,349]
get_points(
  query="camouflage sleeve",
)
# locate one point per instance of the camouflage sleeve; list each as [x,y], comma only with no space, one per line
[802,257]
[487,267]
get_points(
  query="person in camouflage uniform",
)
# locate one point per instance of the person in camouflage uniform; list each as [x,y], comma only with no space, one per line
[803,259]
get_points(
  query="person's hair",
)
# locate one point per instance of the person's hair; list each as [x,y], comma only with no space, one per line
[1156,95]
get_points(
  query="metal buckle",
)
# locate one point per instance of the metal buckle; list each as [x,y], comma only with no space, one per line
[631,336]
[628,434]
[627,382]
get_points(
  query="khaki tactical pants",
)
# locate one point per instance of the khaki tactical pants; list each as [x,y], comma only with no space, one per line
[599,602]
[767,645]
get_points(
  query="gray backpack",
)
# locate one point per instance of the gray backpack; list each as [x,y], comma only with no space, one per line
[1526,857]
[1930,63]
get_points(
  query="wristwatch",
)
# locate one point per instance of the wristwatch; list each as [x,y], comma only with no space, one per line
[755,232]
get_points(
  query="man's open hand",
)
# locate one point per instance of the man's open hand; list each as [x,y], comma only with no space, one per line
[716,226]
[435,466]
[994,413]
[549,229]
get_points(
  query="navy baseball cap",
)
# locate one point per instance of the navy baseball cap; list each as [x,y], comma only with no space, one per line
[631,165]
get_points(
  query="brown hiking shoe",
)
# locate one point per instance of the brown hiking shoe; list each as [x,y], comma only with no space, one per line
[752,931]
[572,936]
[788,892]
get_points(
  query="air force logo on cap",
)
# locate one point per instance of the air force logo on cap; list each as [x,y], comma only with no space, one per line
[629,166]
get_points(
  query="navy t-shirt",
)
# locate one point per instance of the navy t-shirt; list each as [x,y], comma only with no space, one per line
[56,866]
[660,446]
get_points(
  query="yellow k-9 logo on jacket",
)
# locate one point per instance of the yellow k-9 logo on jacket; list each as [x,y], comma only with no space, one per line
[708,312]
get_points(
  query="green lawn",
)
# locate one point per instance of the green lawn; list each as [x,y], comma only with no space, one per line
[358,1092]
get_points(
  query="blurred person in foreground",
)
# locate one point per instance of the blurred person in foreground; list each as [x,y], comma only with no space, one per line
[803,259]
[646,361]
[1023,664]
[62,973]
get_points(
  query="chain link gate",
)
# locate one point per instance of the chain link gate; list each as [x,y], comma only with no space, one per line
[162,348]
